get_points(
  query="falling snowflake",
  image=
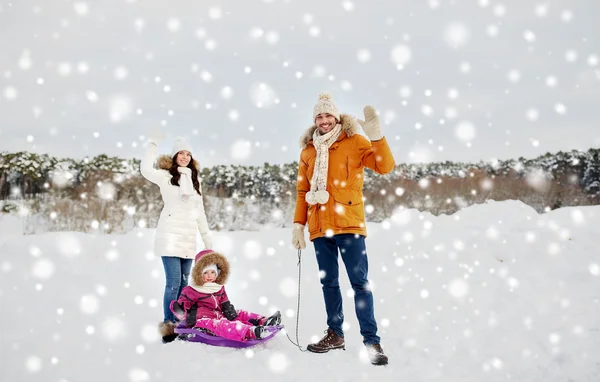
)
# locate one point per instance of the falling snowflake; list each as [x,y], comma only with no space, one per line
[348,5]
[64,69]
[532,114]
[226,93]
[215,13]
[288,287]
[81,8]
[10,93]
[173,25]
[594,269]
[253,249]
[106,190]
[241,150]
[33,364]
[529,36]
[465,131]
[25,61]
[43,269]
[272,37]
[571,55]
[138,375]
[121,73]
[493,30]
[278,363]
[539,180]
[401,55]
[114,329]
[363,56]
[149,333]
[68,244]
[120,107]
[458,288]
[560,108]
[456,34]
[262,95]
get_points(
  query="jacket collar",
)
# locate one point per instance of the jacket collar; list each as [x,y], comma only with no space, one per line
[349,128]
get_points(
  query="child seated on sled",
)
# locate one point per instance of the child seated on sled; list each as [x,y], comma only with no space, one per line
[204,303]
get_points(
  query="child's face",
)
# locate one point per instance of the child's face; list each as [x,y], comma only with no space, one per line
[209,276]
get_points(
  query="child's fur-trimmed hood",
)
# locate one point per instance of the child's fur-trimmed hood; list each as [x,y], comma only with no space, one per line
[205,260]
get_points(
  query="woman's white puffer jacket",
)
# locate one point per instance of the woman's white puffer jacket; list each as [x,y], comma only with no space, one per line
[180,219]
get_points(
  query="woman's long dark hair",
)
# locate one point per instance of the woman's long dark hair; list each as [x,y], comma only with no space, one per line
[176,175]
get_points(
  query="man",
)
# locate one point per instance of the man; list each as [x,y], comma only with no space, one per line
[330,199]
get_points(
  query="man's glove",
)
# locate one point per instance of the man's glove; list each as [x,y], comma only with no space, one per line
[229,310]
[371,124]
[298,236]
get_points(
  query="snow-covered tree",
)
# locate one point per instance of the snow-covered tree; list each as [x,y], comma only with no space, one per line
[591,175]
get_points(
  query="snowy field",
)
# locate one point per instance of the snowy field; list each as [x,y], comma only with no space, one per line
[495,292]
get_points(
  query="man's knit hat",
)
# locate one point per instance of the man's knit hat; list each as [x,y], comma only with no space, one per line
[325,105]
[179,145]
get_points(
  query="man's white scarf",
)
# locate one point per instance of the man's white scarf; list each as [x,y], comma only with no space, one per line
[186,187]
[207,287]
[318,184]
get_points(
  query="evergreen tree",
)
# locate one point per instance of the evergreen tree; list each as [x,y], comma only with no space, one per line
[591,176]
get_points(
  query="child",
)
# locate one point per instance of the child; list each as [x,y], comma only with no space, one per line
[204,303]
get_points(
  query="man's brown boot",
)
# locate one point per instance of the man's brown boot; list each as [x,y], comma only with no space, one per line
[329,342]
[376,355]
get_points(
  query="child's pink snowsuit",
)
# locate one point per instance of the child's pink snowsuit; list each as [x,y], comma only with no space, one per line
[207,304]
[210,316]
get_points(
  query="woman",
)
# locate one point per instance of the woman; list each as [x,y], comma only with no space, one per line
[182,215]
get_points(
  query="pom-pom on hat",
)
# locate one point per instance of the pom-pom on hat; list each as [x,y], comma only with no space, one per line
[180,145]
[325,105]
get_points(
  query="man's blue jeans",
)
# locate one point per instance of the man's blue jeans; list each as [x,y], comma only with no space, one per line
[177,271]
[354,254]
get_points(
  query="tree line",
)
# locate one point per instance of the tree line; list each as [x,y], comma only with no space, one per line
[26,175]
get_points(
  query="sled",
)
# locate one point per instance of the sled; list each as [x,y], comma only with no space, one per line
[198,335]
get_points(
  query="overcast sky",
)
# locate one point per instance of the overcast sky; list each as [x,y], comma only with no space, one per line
[464,80]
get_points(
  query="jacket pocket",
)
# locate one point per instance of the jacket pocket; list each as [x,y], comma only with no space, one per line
[355,169]
[348,209]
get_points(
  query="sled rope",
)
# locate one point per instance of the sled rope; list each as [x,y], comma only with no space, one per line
[297,343]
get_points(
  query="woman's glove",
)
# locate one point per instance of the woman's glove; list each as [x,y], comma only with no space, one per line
[206,240]
[156,136]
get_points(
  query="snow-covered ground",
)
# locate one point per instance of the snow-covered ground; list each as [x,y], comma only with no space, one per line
[495,292]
